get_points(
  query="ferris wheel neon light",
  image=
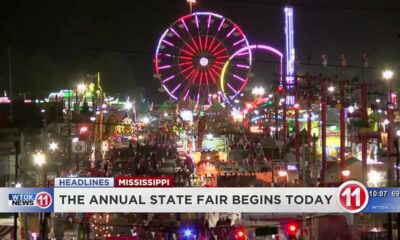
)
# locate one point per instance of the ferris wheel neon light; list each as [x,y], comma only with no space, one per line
[238,53]
[192,51]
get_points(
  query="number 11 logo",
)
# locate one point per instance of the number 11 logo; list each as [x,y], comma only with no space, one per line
[352,196]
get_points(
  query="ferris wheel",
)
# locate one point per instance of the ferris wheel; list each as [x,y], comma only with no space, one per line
[192,51]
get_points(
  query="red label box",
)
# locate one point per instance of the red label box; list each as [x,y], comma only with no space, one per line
[143,182]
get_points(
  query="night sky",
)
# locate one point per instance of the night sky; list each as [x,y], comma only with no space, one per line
[54,43]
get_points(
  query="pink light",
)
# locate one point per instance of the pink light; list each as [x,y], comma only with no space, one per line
[218,62]
[195,76]
[215,72]
[184,24]
[187,69]
[206,75]
[191,73]
[197,21]
[220,57]
[4,100]
[212,77]
[198,97]
[187,45]
[242,66]
[236,43]
[220,51]
[201,77]
[187,52]
[168,78]
[205,42]
[183,57]
[201,45]
[217,67]
[271,49]
[220,25]
[209,21]
[215,48]
[186,95]
[236,92]
[230,33]
[164,67]
[165,41]
[239,78]
[173,30]
[212,42]
[176,88]
[243,54]
[182,64]
[194,43]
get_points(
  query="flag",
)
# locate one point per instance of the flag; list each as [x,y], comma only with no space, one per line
[365,60]
[343,60]
[324,59]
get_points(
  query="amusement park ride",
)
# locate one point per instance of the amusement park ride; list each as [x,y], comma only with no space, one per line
[205,54]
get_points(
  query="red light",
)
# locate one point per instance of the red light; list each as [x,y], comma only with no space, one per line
[240,234]
[292,228]
[296,106]
[280,88]
[83,130]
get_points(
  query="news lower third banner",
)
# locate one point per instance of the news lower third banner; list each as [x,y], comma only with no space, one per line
[350,197]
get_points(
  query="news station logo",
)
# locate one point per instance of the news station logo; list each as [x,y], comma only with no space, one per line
[352,196]
[41,200]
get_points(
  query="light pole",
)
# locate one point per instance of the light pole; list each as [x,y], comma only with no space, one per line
[191,2]
[39,158]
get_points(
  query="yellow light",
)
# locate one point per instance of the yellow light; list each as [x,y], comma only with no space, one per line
[223,76]
[39,158]
[387,74]
[282,173]
[346,173]
[81,87]
[374,178]
[53,146]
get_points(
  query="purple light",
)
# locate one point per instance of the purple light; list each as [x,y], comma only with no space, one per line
[186,95]
[242,66]
[209,21]
[239,78]
[247,50]
[176,88]
[290,52]
[271,49]
[230,33]
[208,13]
[243,54]
[165,41]
[168,78]
[164,67]
[184,24]
[236,43]
[220,25]
[236,92]
[173,30]
[197,21]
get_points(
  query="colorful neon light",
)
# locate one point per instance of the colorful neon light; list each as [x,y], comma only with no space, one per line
[168,78]
[240,52]
[290,53]
[184,68]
